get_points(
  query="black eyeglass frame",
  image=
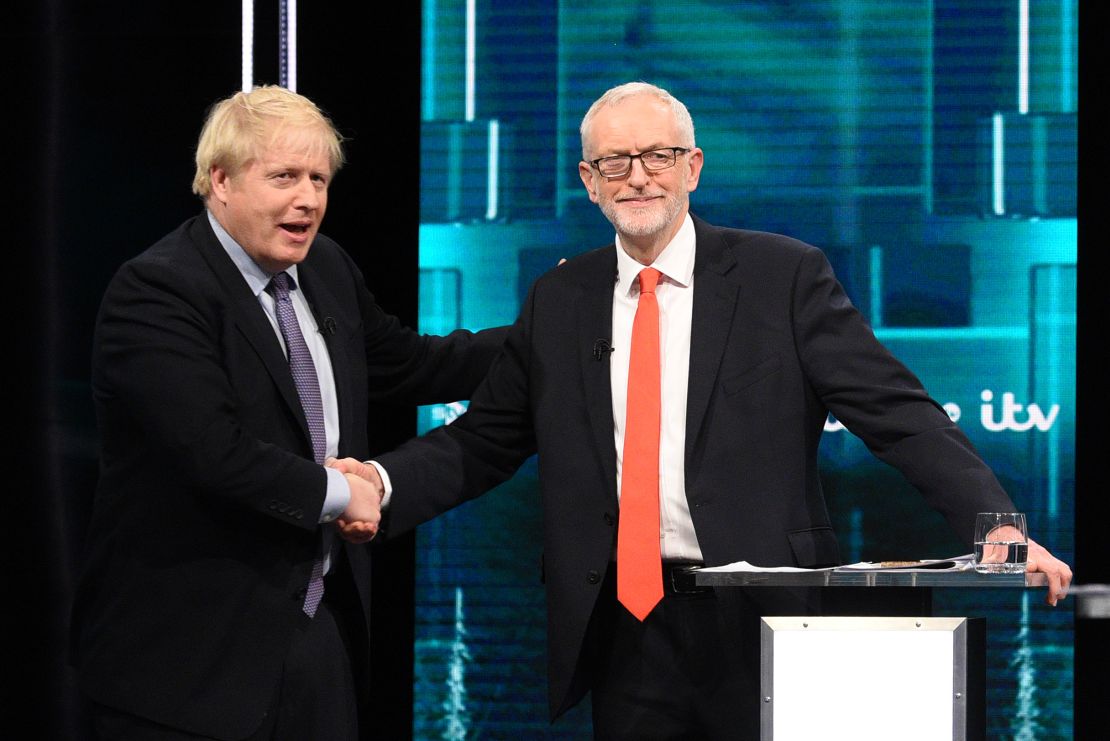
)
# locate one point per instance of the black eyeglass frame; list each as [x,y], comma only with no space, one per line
[675,152]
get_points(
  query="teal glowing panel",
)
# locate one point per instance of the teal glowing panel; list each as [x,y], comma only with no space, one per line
[928,148]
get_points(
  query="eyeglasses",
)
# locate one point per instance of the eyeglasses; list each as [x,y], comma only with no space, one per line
[653,160]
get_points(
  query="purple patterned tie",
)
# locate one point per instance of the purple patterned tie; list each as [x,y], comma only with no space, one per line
[308,389]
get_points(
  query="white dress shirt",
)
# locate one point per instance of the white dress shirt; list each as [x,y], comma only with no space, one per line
[675,295]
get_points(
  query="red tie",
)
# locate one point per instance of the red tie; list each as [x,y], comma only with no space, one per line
[639,565]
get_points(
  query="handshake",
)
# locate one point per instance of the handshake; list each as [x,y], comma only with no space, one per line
[359,522]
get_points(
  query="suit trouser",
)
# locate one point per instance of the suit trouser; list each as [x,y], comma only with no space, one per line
[691,670]
[315,699]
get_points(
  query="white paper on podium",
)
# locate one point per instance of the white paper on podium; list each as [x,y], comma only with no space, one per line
[958,563]
[745,566]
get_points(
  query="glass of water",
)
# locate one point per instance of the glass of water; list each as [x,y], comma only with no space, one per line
[1001,542]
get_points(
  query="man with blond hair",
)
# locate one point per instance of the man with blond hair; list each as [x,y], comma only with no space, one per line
[231,360]
[675,385]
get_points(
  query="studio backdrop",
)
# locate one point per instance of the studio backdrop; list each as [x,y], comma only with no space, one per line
[929,148]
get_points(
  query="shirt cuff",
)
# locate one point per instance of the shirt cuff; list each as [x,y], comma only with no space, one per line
[337,497]
[386,485]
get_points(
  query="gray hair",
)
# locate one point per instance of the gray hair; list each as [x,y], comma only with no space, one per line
[617,94]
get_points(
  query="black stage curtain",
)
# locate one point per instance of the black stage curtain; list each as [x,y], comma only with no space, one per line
[1092,506]
[108,101]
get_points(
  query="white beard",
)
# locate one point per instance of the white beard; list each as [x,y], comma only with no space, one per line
[646,222]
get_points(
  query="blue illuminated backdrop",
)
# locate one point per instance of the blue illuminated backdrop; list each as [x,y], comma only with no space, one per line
[928,147]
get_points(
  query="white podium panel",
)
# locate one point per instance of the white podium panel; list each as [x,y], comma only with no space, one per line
[913,679]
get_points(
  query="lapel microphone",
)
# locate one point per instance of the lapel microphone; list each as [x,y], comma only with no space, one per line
[601,348]
[327,326]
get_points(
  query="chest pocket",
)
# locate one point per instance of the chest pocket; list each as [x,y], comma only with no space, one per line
[737,383]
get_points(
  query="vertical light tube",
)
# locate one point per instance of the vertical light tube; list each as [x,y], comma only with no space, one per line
[428,63]
[927,142]
[291,46]
[492,168]
[875,284]
[1056,384]
[247,41]
[454,172]
[287,44]
[471,55]
[1023,56]
[998,169]
[1067,50]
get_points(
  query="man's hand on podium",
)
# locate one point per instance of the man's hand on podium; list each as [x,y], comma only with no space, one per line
[1058,572]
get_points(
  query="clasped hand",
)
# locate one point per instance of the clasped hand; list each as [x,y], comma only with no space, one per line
[359,522]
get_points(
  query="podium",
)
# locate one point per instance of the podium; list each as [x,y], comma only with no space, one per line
[865,677]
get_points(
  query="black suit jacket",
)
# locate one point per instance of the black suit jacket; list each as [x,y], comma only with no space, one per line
[775,346]
[204,528]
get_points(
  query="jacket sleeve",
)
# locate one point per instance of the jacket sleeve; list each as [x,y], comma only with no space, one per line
[481,449]
[164,391]
[883,403]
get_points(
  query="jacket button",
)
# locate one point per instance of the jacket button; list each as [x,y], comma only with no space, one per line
[593,577]
[299,595]
[608,519]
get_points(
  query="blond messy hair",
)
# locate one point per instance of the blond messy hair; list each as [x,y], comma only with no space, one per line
[240,127]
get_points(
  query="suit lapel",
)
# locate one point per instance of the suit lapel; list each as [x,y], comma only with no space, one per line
[595,322]
[245,311]
[716,286]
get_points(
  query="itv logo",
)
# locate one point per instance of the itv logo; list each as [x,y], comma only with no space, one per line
[1009,417]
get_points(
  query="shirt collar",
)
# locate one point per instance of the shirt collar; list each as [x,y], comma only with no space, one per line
[256,277]
[675,262]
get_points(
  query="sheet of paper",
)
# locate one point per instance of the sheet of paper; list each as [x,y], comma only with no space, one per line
[745,566]
[959,563]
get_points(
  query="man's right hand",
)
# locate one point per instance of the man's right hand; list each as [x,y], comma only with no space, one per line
[359,522]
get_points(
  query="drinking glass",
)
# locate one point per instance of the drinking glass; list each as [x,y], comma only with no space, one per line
[1001,542]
